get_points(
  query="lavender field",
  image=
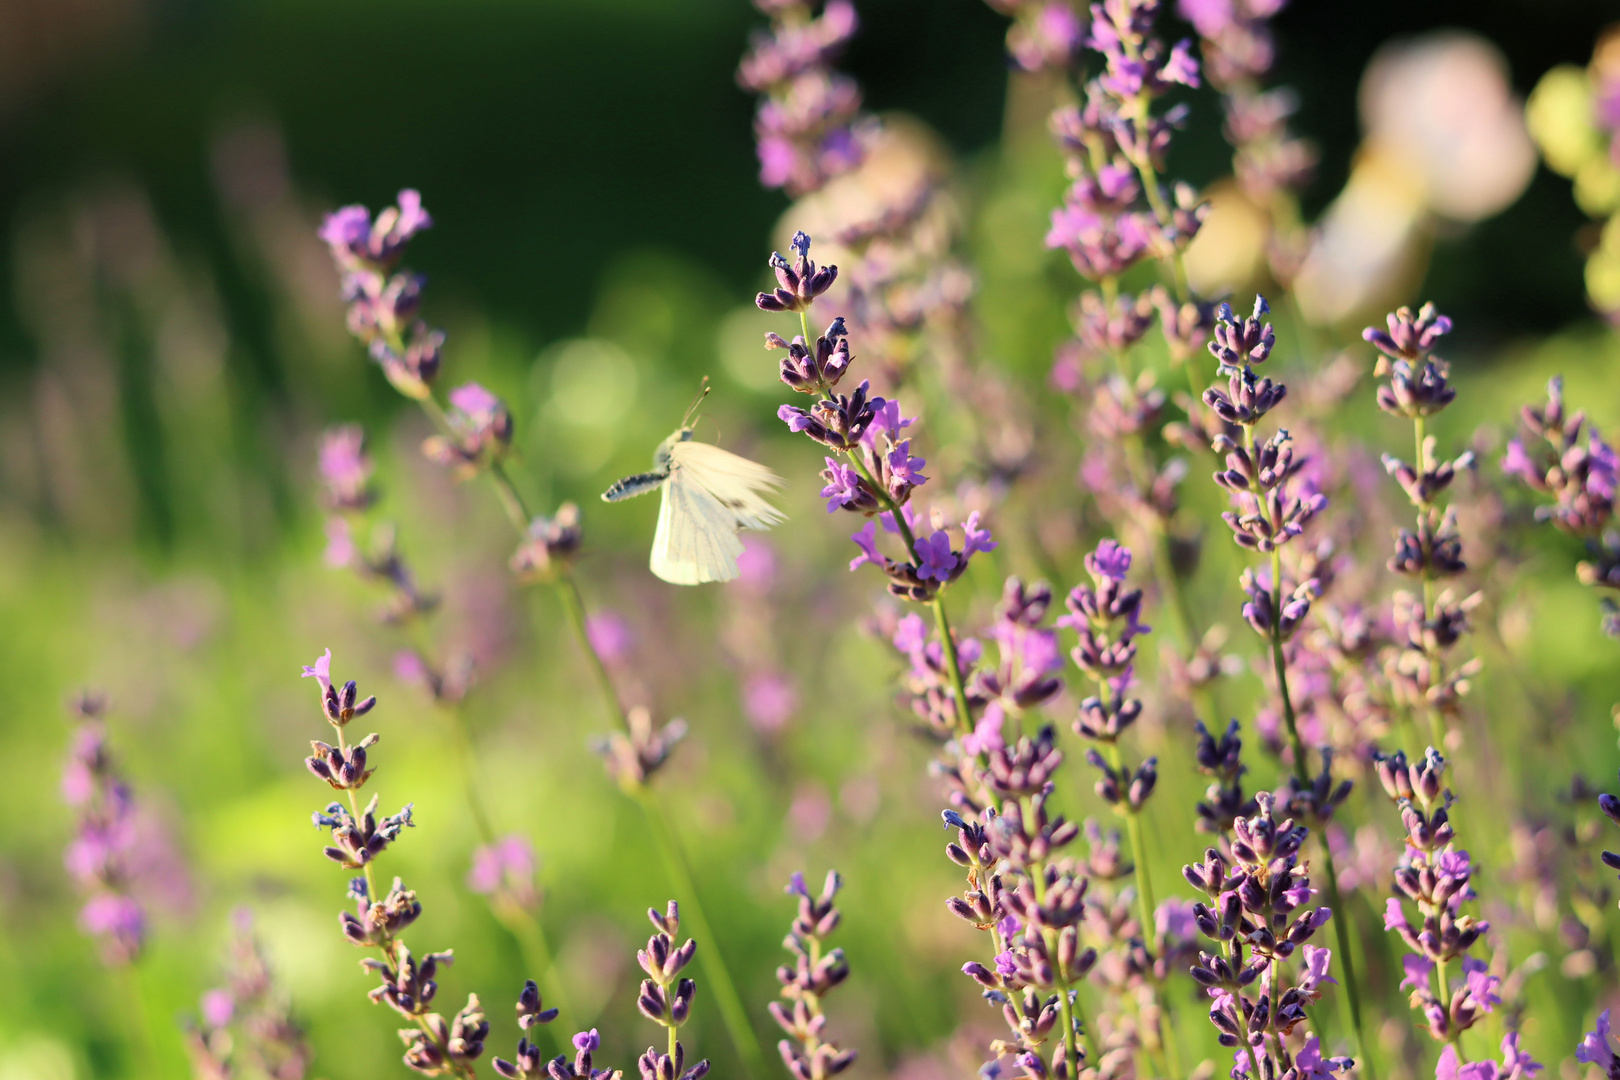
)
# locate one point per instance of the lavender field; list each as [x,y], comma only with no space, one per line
[1019,539]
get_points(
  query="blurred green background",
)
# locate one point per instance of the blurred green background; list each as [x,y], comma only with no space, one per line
[171,344]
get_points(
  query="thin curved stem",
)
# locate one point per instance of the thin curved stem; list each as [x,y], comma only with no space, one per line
[679,869]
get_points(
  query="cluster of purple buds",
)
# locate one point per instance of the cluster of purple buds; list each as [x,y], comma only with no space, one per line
[1434,874]
[813,369]
[408,985]
[1039,955]
[504,871]
[815,970]
[549,546]
[1221,759]
[1270,511]
[480,431]
[1431,551]
[1418,380]
[98,858]
[634,755]
[876,472]
[530,1064]
[355,842]
[1030,658]
[1256,908]
[1261,612]
[345,471]
[1581,481]
[441,1047]
[383,300]
[1046,35]
[666,999]
[1115,148]
[934,561]
[1100,224]
[1238,51]
[1106,616]
[808,127]
[246,1022]
[376,922]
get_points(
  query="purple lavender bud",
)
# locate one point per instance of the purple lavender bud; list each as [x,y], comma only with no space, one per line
[1242,343]
[1409,337]
[799,282]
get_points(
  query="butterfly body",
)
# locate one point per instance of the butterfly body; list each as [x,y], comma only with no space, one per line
[708,496]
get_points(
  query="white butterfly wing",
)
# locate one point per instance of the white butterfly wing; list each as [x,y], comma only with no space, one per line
[696,539]
[710,495]
[736,483]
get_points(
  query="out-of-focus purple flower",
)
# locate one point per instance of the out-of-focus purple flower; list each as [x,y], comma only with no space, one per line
[341,549]
[1111,559]
[505,870]
[119,921]
[938,560]
[843,485]
[345,467]
[1418,968]
[769,700]
[975,539]
[756,566]
[609,635]
[217,1007]
[357,240]
[480,431]
[1176,920]
[1595,1048]
[866,540]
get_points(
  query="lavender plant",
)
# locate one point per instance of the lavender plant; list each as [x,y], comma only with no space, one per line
[1550,460]
[1435,875]
[104,837]
[1269,164]
[246,1027]
[665,998]
[473,437]
[1274,499]
[434,1046]
[815,971]
[1431,625]
[808,125]
[1256,912]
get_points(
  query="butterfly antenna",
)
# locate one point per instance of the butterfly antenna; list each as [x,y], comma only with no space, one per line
[703,392]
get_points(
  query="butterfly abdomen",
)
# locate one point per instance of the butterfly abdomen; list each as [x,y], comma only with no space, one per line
[639,484]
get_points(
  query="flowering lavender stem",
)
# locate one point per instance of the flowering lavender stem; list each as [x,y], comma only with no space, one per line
[574,607]
[678,866]
[1341,925]
[389,947]
[942,621]
[676,862]
[1066,1008]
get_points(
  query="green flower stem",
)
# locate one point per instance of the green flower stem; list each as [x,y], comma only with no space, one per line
[678,866]
[942,622]
[390,944]
[1068,1010]
[1341,928]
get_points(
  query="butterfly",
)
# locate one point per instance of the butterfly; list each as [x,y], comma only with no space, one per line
[709,495]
